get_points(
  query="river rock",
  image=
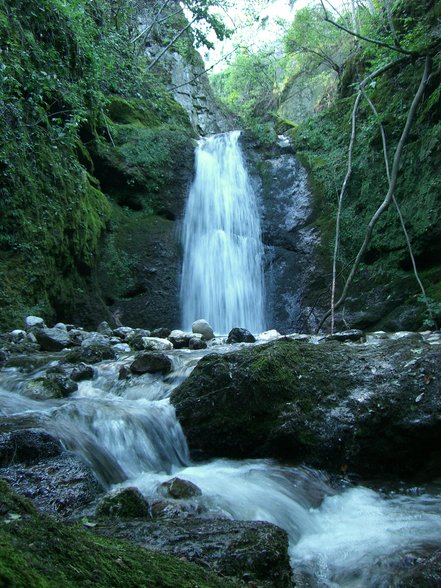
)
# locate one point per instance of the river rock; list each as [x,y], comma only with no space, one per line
[122,332]
[238,335]
[93,349]
[82,372]
[136,339]
[52,385]
[104,329]
[34,321]
[365,408]
[60,326]
[156,344]
[196,343]
[253,553]
[161,332]
[17,334]
[180,339]
[27,446]
[151,362]
[354,335]
[202,327]
[52,339]
[125,503]
[178,488]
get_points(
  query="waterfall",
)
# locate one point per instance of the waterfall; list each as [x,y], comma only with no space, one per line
[222,278]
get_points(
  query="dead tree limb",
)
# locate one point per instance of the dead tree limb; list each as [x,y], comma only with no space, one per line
[400,215]
[340,203]
[390,193]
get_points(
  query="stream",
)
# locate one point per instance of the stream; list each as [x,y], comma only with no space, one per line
[341,534]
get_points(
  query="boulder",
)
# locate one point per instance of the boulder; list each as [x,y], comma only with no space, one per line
[180,339]
[121,348]
[238,335]
[92,350]
[369,409]
[81,372]
[34,321]
[124,503]
[52,339]
[196,343]
[122,332]
[17,335]
[61,326]
[151,362]
[245,552]
[156,344]
[162,333]
[203,328]
[136,339]
[27,446]
[52,385]
[178,488]
[104,329]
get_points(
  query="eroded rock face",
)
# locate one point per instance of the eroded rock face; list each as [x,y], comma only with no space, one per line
[366,408]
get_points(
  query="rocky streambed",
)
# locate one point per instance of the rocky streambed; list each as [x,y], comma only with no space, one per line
[303,459]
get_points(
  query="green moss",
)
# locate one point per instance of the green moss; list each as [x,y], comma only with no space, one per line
[40,552]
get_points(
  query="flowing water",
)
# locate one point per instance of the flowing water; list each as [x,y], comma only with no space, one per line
[222,270]
[341,535]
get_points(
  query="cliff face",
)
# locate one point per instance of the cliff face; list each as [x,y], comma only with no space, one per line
[96,161]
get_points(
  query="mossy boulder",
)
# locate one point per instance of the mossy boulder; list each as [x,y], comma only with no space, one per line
[369,408]
[36,550]
[124,503]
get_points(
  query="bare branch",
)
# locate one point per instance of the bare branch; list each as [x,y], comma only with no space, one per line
[390,193]
[340,202]
[400,215]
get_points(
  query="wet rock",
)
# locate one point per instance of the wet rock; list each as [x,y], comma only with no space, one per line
[82,372]
[17,335]
[151,362]
[156,344]
[196,343]
[238,335]
[180,339]
[62,485]
[136,339]
[122,348]
[178,488]
[354,335]
[203,328]
[122,332]
[162,333]
[174,509]
[104,329]
[124,372]
[124,503]
[52,385]
[52,339]
[27,446]
[92,350]
[368,408]
[34,321]
[254,552]
[77,336]
[60,326]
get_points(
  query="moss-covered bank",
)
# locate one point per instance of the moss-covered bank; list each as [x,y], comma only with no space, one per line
[37,551]
[85,131]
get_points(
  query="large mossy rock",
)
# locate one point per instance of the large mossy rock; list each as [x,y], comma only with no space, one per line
[36,550]
[368,408]
[249,552]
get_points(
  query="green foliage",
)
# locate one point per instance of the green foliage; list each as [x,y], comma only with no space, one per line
[71,78]
[249,88]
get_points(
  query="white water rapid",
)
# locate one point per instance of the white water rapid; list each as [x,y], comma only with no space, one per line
[341,535]
[222,270]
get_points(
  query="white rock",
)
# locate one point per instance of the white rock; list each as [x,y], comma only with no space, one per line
[61,326]
[156,344]
[268,335]
[18,334]
[34,321]
[202,327]
[122,348]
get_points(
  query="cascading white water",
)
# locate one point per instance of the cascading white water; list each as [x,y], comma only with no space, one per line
[344,536]
[222,271]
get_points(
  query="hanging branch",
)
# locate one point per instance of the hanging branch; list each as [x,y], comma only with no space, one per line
[390,193]
[340,202]
[400,215]
[360,36]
